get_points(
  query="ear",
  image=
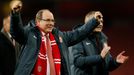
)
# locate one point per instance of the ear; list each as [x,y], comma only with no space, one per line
[37,23]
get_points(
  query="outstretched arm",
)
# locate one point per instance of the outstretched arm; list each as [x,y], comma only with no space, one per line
[115,63]
[77,35]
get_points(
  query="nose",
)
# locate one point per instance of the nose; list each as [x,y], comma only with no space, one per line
[101,24]
[51,23]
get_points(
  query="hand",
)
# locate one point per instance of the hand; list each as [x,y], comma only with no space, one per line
[16,5]
[121,58]
[98,16]
[105,51]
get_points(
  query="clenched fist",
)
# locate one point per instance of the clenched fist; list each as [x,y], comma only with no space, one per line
[98,16]
[16,5]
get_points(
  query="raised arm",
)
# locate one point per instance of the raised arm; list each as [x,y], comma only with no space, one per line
[77,35]
[16,28]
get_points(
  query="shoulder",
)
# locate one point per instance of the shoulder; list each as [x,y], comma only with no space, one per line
[103,35]
[3,39]
[2,36]
[78,45]
[57,32]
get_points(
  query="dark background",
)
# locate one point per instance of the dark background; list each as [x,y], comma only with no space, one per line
[118,21]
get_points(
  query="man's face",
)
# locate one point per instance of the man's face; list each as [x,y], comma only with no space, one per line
[100,26]
[47,22]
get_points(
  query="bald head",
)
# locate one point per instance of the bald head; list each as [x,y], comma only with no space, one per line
[43,13]
[45,20]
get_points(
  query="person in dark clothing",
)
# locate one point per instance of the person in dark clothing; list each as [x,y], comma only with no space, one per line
[35,54]
[92,55]
[7,56]
[9,49]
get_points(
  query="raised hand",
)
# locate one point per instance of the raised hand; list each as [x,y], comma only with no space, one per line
[121,58]
[105,51]
[16,5]
[98,16]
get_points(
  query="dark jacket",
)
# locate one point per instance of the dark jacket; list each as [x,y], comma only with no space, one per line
[7,56]
[30,38]
[87,59]
[13,42]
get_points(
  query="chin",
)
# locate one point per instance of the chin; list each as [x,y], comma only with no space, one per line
[97,30]
[49,31]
